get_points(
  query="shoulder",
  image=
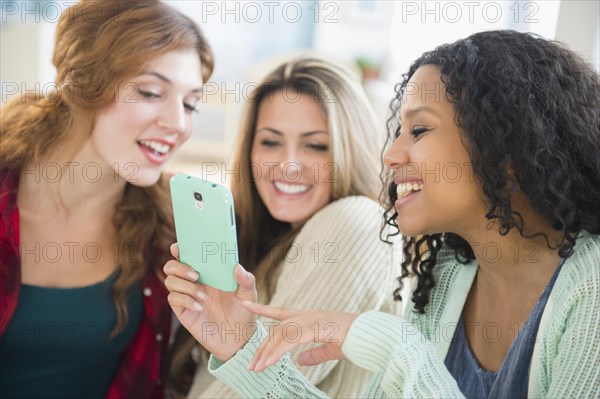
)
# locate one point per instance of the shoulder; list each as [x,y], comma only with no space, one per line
[572,314]
[350,230]
[580,275]
[355,212]
[354,203]
[353,223]
[574,305]
[587,251]
[338,254]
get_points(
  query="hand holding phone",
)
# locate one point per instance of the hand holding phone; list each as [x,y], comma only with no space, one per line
[198,305]
[205,228]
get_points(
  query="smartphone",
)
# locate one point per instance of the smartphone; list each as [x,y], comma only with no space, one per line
[205,229]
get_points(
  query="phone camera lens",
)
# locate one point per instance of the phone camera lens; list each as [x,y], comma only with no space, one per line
[198,196]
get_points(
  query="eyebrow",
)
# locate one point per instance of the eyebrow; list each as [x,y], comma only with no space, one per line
[421,108]
[167,80]
[278,132]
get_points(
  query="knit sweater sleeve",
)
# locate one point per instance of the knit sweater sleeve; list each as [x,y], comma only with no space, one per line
[282,380]
[569,357]
[405,362]
[337,263]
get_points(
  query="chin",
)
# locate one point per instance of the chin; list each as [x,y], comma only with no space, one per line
[409,230]
[143,178]
[287,218]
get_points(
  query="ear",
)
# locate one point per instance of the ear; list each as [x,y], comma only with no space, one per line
[512,185]
[510,169]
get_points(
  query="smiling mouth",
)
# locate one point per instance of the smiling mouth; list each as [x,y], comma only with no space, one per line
[291,189]
[406,189]
[157,148]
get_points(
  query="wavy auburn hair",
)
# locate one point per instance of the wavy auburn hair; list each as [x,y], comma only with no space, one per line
[95,52]
[519,100]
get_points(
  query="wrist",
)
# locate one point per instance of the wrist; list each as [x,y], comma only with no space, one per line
[234,340]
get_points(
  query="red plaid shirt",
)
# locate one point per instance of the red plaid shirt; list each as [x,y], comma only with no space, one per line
[138,375]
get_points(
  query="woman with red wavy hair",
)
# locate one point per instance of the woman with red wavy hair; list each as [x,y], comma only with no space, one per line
[85,219]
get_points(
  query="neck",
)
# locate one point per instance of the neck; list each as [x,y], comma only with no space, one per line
[514,261]
[84,183]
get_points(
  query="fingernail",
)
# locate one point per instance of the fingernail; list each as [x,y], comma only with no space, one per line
[201,295]
[197,306]
[246,272]
[194,275]
[258,365]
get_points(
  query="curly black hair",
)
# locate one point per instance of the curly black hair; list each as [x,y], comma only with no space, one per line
[521,100]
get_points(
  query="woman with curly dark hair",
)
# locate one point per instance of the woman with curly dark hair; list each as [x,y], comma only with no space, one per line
[495,183]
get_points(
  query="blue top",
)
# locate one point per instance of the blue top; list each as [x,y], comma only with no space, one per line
[512,380]
[58,342]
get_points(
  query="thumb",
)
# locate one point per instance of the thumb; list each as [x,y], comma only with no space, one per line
[319,355]
[247,287]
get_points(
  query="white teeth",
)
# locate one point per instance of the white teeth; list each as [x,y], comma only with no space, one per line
[291,188]
[156,146]
[405,189]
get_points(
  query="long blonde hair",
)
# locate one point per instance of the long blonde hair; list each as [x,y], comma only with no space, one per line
[93,54]
[355,147]
[356,143]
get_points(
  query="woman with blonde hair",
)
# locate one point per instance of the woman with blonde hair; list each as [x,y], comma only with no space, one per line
[305,189]
[85,216]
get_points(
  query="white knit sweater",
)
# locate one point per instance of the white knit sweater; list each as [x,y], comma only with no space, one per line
[337,263]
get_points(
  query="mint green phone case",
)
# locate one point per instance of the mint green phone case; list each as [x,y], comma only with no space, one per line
[205,229]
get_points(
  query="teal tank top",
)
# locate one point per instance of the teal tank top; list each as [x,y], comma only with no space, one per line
[58,344]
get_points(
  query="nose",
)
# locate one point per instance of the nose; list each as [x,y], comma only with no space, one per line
[398,154]
[291,164]
[173,117]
